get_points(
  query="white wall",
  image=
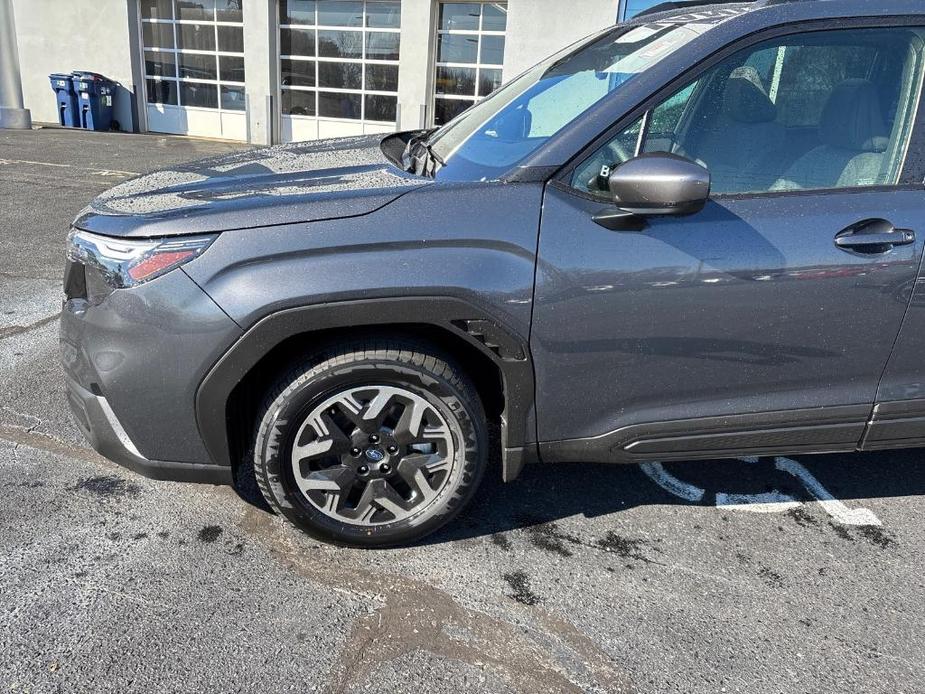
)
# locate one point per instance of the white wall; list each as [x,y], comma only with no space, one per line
[539,28]
[66,35]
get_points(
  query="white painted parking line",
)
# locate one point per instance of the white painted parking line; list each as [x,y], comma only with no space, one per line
[768,502]
[95,172]
[672,484]
[773,501]
[832,506]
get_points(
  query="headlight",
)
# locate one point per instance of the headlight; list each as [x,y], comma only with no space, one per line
[129,262]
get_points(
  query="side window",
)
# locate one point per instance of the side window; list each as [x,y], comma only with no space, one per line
[820,110]
[809,74]
[665,121]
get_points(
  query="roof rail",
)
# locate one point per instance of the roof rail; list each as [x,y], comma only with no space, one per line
[683,4]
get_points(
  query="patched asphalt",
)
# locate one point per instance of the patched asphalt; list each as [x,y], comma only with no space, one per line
[576,578]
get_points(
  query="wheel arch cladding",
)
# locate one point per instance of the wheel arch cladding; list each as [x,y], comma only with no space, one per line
[496,359]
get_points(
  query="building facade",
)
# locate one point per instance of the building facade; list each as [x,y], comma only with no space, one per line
[268,71]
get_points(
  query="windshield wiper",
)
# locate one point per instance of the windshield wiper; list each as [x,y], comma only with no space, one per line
[420,157]
[433,154]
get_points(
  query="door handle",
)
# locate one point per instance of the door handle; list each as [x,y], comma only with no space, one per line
[873,236]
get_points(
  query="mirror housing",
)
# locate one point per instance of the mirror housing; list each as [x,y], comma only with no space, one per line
[660,183]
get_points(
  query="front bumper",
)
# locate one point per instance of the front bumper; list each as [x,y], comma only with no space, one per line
[133,360]
[105,433]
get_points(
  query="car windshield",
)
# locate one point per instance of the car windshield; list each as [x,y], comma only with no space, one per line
[488,139]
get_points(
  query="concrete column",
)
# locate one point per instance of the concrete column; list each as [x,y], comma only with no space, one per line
[260,66]
[12,112]
[415,81]
[139,110]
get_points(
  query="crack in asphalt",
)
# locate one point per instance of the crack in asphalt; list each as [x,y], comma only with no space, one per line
[11,330]
[22,436]
[412,616]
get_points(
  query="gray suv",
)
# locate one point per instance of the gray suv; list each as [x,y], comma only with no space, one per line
[695,235]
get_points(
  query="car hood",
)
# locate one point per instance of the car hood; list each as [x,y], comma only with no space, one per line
[284,184]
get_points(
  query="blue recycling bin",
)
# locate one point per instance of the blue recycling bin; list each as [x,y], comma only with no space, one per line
[94,100]
[67,99]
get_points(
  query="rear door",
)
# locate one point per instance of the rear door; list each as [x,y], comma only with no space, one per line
[764,322]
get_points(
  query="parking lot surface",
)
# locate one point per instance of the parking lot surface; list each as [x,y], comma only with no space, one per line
[774,575]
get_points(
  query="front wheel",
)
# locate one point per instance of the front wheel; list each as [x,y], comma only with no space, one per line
[371,445]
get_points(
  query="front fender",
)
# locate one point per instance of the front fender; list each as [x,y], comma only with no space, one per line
[442,255]
[508,351]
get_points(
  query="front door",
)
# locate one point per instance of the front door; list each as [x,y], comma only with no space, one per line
[764,322]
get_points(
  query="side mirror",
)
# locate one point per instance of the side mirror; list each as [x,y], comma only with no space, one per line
[660,183]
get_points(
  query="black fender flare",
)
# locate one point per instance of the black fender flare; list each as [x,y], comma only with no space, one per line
[509,352]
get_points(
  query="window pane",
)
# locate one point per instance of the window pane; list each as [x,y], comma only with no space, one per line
[231,68]
[666,119]
[457,49]
[233,98]
[381,108]
[815,111]
[200,67]
[382,46]
[157,35]
[298,103]
[492,50]
[494,17]
[196,37]
[340,44]
[230,11]
[446,110]
[489,81]
[196,10]
[459,15]
[338,13]
[340,75]
[297,12]
[197,94]
[297,42]
[156,9]
[298,73]
[455,80]
[382,78]
[160,64]
[801,99]
[383,14]
[231,39]
[162,92]
[333,105]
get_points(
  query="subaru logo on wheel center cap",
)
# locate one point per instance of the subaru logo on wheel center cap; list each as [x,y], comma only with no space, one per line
[374,454]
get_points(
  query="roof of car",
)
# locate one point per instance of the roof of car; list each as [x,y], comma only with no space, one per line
[705,12]
[685,12]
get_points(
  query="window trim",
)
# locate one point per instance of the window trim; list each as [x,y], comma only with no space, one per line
[909,176]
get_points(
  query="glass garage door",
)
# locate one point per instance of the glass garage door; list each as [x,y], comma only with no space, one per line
[194,67]
[470,55]
[338,67]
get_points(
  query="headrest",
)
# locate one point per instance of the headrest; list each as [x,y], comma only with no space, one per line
[853,118]
[744,99]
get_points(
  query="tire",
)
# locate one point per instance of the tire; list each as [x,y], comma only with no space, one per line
[371,444]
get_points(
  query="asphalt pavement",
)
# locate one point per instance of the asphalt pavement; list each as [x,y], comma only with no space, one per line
[786,575]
